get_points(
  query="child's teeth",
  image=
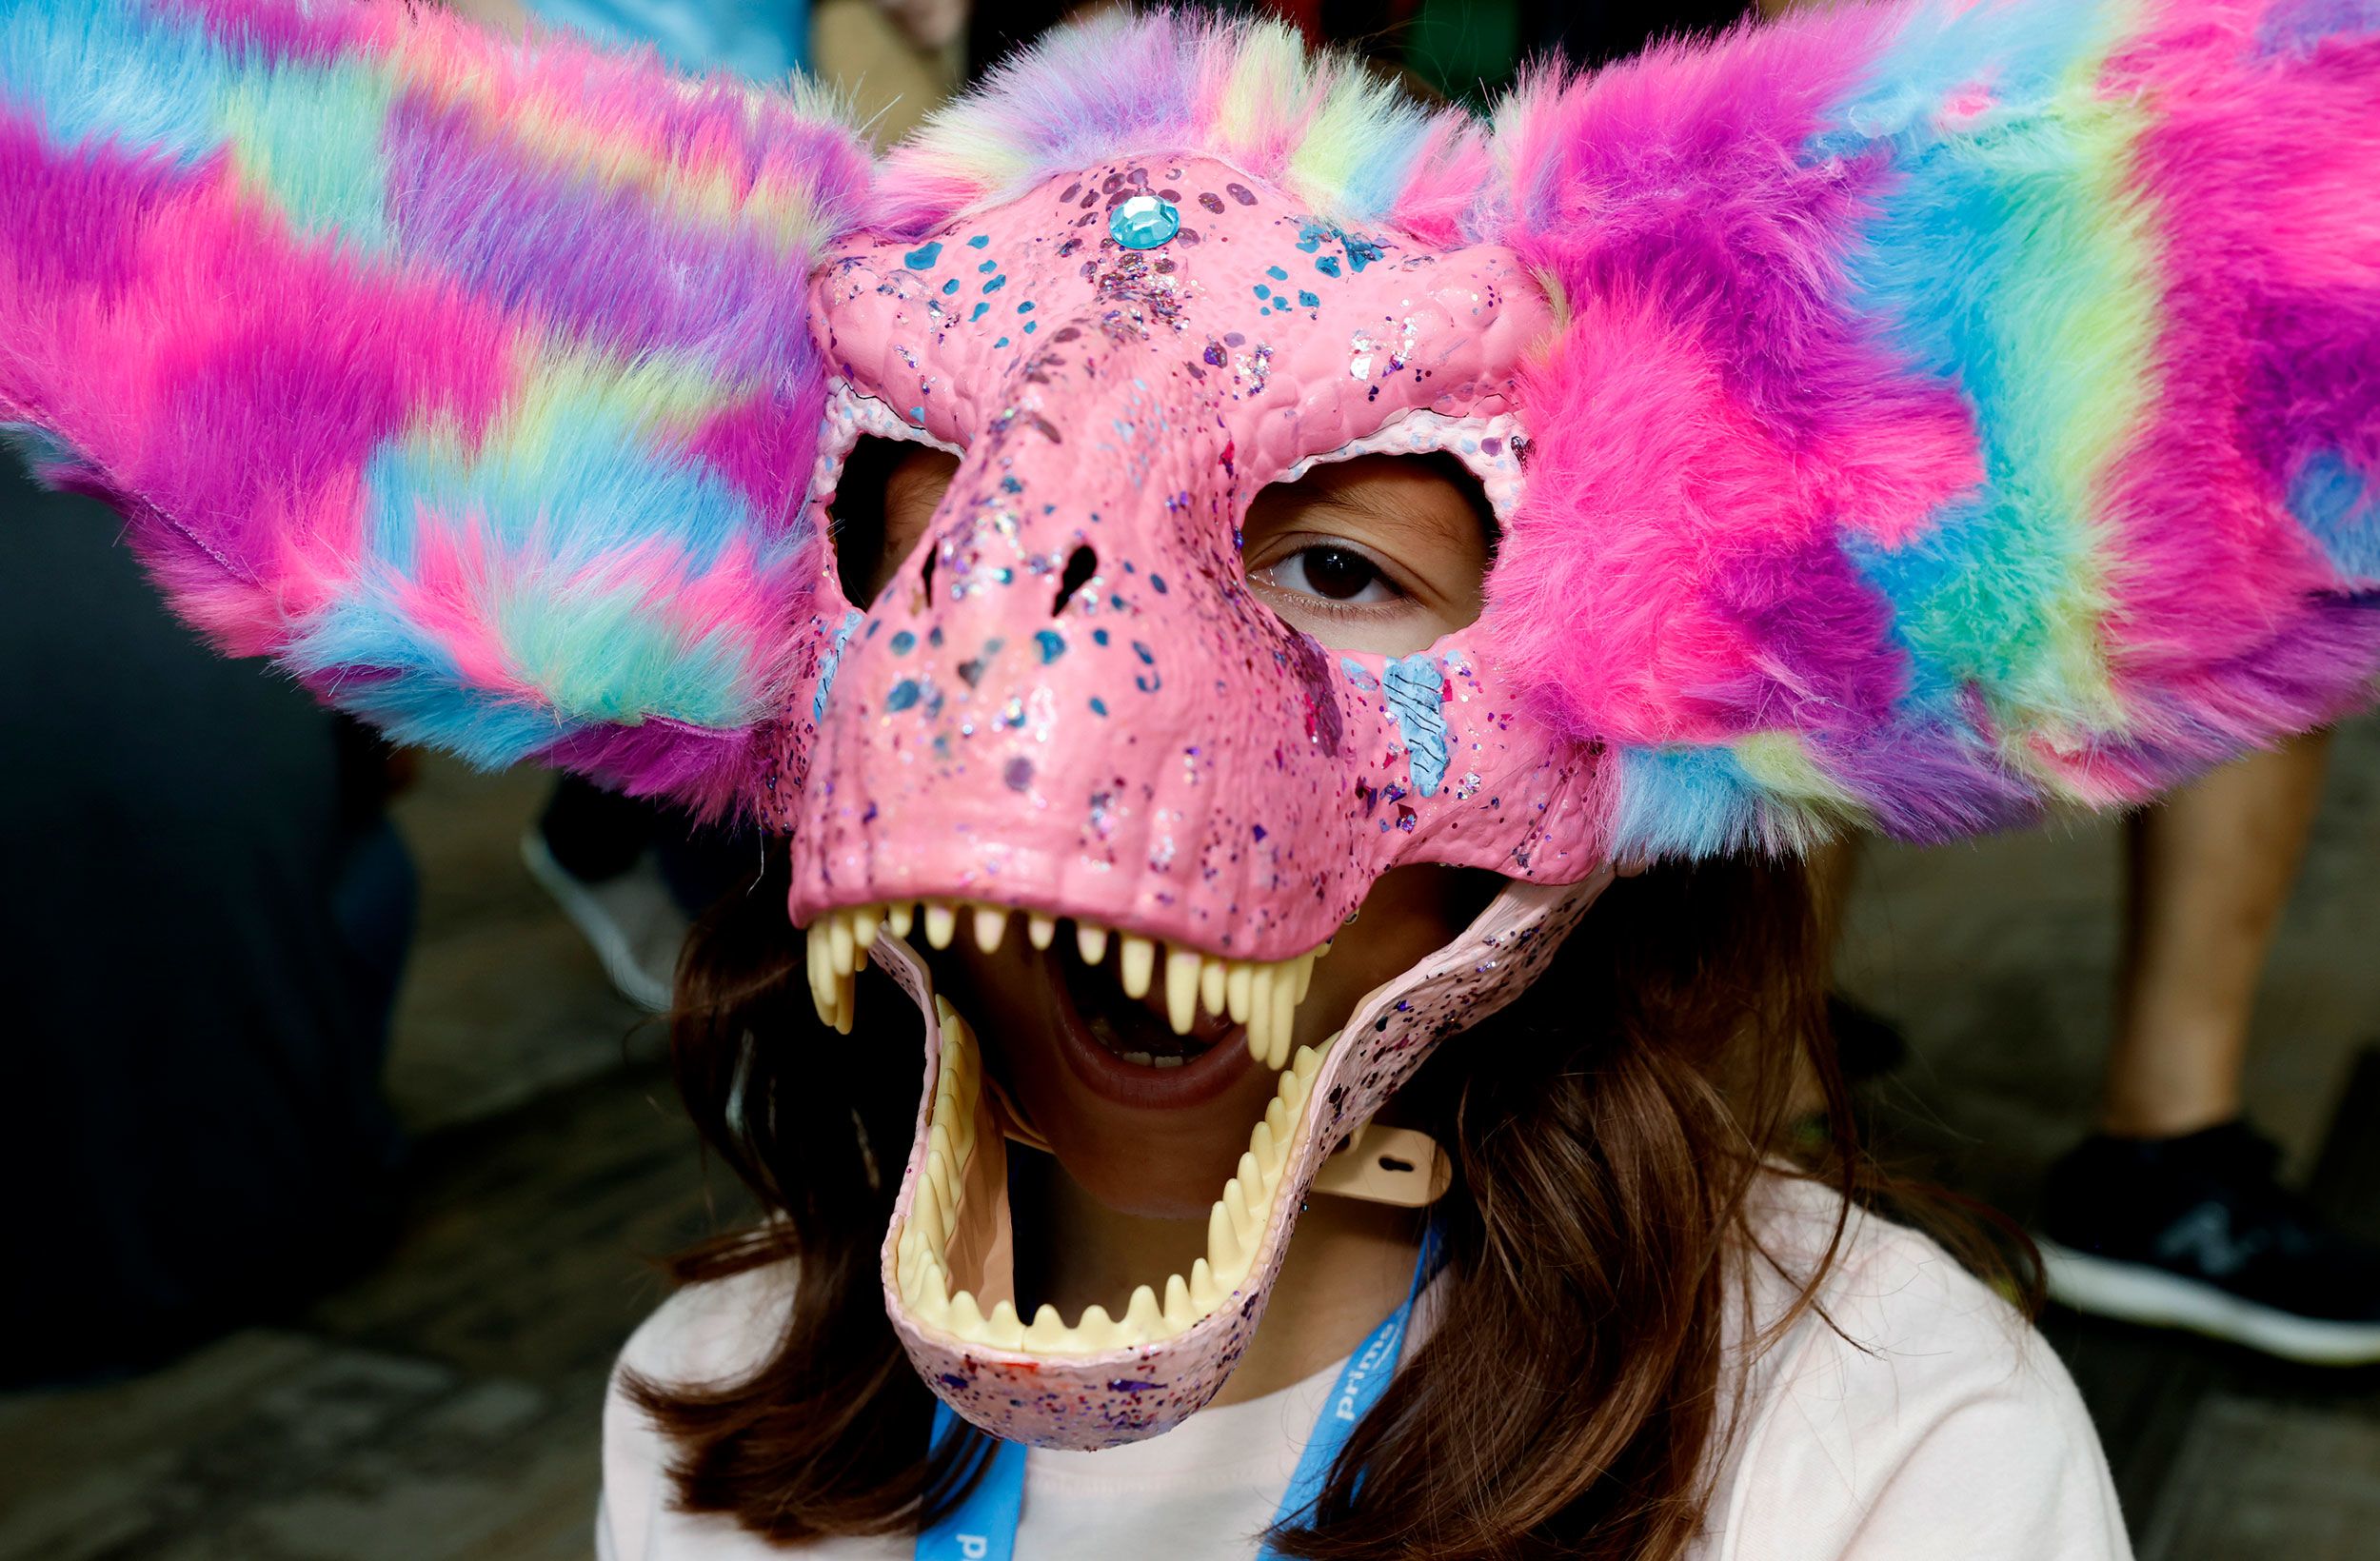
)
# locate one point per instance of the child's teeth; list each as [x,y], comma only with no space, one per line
[1138,963]
[1181,989]
[1166,1063]
[991,925]
[1142,1057]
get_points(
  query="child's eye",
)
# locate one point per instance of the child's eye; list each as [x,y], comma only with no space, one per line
[1332,573]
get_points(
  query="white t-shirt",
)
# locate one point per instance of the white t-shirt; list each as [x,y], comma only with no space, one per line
[1942,1429]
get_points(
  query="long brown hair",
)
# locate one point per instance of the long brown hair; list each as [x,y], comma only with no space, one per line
[1605,1129]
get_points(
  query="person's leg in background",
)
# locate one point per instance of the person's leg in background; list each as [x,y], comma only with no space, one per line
[2171,1213]
[2211,871]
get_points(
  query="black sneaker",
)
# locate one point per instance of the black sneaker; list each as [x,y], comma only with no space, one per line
[2194,1233]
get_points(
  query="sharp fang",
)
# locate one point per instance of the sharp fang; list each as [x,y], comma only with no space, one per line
[1284,1015]
[864,923]
[1181,990]
[1139,964]
[1040,930]
[1240,990]
[1251,1178]
[1211,977]
[1091,942]
[1265,1146]
[1097,1330]
[991,925]
[966,1320]
[1245,1223]
[840,944]
[821,982]
[1004,1328]
[1222,1242]
[1144,1321]
[1047,1331]
[901,917]
[1180,1311]
[1305,975]
[941,925]
[1205,1293]
[1260,1020]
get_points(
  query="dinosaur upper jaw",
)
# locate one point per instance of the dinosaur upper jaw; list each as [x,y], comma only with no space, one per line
[1113,1376]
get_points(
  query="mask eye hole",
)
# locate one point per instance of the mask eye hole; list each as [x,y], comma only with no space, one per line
[884,498]
[1382,553]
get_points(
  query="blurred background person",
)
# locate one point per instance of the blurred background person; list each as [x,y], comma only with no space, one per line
[206,913]
[2171,1213]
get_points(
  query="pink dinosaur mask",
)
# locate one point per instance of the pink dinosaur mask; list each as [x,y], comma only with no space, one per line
[1069,704]
[1913,417]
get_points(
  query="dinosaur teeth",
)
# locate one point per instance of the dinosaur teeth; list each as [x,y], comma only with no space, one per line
[1261,995]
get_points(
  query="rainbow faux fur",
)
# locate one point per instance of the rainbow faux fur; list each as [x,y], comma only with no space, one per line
[1961,407]
[470,378]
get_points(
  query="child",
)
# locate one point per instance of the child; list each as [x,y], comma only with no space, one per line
[1208,567]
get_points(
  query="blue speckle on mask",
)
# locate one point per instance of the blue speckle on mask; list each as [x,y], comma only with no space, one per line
[922,257]
[1051,644]
[1277,273]
[903,643]
[904,694]
[832,660]
[1099,706]
[1308,300]
[1415,686]
[1358,675]
[981,311]
[950,286]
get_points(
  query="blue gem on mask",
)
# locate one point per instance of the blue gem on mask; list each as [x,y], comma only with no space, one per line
[1143,222]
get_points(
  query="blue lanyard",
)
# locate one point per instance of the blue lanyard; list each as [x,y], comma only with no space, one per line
[984,1528]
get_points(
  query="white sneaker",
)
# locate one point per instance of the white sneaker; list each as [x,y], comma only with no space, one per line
[633,922]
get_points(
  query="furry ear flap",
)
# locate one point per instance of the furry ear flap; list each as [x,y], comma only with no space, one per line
[1963,409]
[471,377]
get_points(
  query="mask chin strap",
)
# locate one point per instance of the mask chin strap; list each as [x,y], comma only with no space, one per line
[1395,1165]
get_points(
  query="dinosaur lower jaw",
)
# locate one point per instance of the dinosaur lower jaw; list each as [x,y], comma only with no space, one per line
[1122,1037]
[951,1239]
